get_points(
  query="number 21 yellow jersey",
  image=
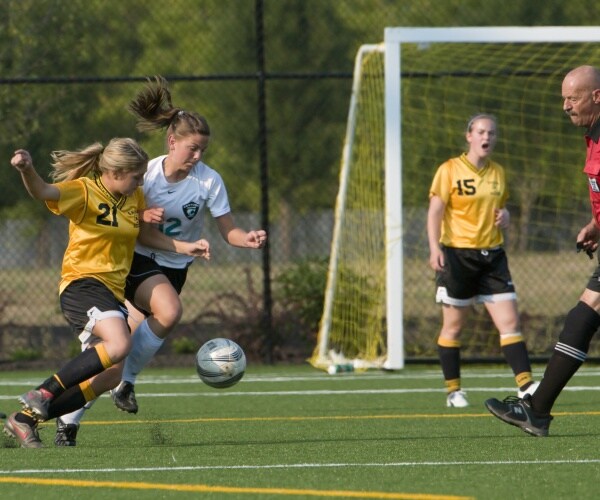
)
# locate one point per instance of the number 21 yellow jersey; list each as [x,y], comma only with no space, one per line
[102,232]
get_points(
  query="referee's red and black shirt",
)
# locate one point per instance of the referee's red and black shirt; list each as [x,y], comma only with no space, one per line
[592,167]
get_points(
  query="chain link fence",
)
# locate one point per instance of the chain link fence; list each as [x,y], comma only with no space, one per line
[273,78]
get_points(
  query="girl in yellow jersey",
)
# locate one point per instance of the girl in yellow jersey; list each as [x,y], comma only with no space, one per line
[98,190]
[464,225]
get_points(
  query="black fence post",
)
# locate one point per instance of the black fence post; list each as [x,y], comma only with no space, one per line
[267,316]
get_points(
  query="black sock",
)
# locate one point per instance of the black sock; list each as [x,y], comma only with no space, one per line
[450,362]
[70,400]
[558,372]
[52,385]
[84,366]
[518,359]
[569,354]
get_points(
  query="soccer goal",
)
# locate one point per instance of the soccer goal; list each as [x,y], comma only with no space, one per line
[411,98]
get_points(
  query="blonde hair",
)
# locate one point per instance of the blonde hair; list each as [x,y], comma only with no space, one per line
[119,155]
[154,110]
[480,116]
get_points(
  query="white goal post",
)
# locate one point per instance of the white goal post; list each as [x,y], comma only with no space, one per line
[394,39]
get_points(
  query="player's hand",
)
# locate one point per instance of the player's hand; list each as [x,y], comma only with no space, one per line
[200,248]
[256,239]
[502,217]
[153,215]
[21,160]
[436,259]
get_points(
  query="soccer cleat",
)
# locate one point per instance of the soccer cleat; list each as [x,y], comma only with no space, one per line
[26,435]
[37,402]
[518,412]
[124,397]
[530,390]
[457,399]
[66,434]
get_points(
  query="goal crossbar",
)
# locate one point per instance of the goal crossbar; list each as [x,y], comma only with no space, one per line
[510,34]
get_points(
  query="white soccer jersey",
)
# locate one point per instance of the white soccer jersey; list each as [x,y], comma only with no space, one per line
[184,202]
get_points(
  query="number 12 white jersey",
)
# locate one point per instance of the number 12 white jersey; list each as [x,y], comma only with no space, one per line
[184,203]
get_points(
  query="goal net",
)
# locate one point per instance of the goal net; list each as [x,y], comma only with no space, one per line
[412,97]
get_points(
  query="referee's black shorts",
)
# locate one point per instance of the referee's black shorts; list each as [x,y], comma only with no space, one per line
[594,281]
[473,276]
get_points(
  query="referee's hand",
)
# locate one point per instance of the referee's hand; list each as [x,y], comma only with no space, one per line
[587,238]
[588,251]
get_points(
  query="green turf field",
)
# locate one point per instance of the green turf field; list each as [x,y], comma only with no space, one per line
[294,432]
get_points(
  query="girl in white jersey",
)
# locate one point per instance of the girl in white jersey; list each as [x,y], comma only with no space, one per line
[180,186]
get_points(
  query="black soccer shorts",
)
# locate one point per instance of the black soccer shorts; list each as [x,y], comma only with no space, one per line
[473,276]
[86,300]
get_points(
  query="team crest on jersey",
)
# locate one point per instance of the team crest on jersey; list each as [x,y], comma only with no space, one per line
[190,209]
[594,184]
[495,188]
[134,214]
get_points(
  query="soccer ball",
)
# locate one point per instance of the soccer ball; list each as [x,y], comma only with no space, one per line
[220,363]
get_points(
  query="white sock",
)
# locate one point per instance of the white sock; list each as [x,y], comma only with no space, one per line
[75,416]
[145,345]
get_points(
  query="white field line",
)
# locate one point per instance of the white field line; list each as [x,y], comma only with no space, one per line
[466,375]
[316,392]
[304,466]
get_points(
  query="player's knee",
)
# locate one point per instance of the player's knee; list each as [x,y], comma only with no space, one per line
[450,331]
[169,315]
[117,347]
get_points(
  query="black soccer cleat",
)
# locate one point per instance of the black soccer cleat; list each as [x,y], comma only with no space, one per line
[518,412]
[124,397]
[66,434]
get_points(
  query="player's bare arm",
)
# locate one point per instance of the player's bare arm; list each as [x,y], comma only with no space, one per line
[35,185]
[434,221]
[152,237]
[237,237]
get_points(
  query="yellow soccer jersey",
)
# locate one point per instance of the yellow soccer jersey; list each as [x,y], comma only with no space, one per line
[102,232]
[471,196]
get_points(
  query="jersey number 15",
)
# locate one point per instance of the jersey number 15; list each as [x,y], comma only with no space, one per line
[466,187]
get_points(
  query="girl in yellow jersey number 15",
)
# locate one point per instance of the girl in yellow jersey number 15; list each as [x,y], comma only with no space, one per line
[464,225]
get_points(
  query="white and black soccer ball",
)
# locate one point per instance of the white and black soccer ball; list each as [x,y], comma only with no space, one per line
[220,363]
